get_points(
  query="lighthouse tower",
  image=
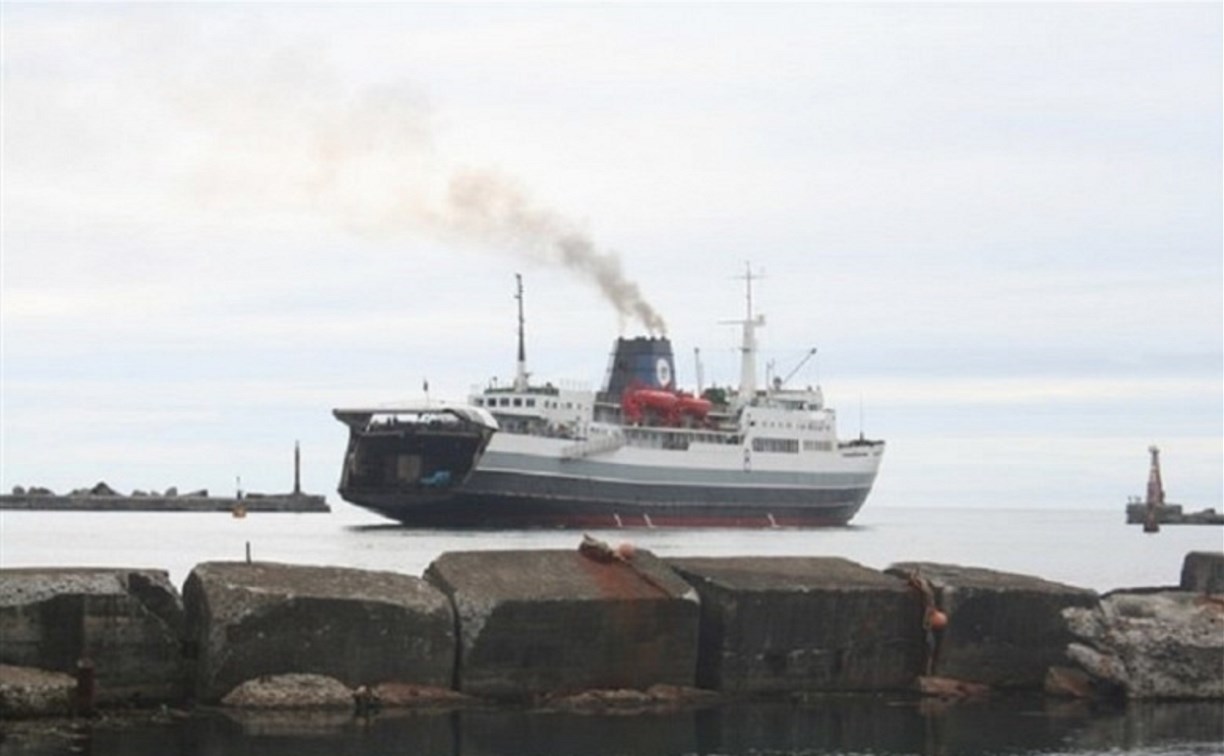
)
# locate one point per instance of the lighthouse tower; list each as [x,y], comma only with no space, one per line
[1155,494]
[1155,489]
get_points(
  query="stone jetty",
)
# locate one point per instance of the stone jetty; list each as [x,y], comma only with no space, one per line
[593,627]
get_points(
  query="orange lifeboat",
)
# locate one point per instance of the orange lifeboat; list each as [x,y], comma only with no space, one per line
[636,402]
[669,406]
[660,401]
[694,406]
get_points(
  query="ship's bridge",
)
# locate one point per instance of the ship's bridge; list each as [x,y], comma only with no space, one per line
[795,399]
[789,421]
[547,409]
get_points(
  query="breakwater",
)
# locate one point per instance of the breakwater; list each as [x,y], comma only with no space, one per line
[196,501]
[592,627]
[103,498]
[1171,514]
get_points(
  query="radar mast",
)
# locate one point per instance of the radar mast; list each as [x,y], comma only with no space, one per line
[520,373]
[748,345]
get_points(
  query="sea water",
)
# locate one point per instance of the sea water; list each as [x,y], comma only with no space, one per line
[1088,548]
[1091,549]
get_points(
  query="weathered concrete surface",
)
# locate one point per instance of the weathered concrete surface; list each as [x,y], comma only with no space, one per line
[128,623]
[399,696]
[951,688]
[537,622]
[1004,630]
[247,620]
[1073,682]
[292,691]
[655,699]
[804,624]
[1203,572]
[1152,645]
[30,692]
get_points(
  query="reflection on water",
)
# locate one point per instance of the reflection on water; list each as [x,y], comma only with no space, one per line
[879,726]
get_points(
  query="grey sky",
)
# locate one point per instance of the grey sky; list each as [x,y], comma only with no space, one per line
[1000,224]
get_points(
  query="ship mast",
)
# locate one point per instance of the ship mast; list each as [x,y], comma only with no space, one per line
[520,373]
[748,347]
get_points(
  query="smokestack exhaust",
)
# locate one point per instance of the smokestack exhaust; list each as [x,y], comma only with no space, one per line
[484,207]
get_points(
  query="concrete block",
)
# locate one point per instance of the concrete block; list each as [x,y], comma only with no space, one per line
[246,620]
[128,623]
[1203,572]
[778,624]
[1004,630]
[30,692]
[536,622]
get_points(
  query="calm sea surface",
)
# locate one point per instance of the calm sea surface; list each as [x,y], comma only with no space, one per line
[1091,549]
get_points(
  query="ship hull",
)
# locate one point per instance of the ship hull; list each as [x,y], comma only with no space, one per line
[498,511]
[524,482]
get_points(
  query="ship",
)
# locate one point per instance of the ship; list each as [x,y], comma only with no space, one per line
[638,453]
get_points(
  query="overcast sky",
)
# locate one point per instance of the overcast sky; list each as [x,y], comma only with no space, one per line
[1000,225]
